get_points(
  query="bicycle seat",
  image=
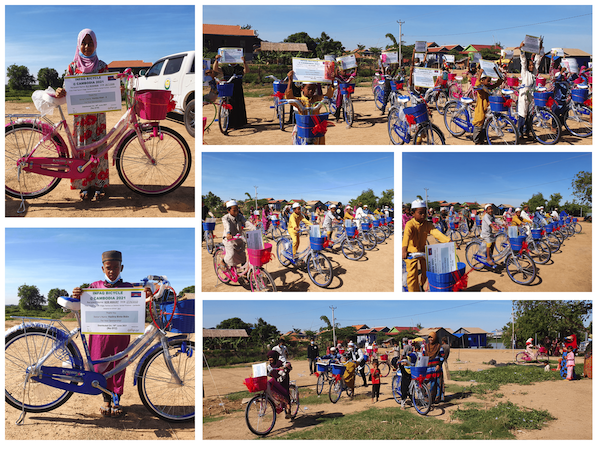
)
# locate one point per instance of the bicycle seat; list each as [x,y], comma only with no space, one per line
[541,89]
[459,78]
[466,100]
[582,86]
[507,91]
[54,100]
[403,99]
[73,304]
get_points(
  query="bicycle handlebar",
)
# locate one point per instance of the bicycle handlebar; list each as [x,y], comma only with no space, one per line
[301,107]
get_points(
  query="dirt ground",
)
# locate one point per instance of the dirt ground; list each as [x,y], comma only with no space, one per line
[564,400]
[80,419]
[374,272]
[122,202]
[569,270]
[369,127]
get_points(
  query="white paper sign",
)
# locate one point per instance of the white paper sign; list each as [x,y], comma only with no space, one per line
[449,58]
[113,311]
[420,46]
[259,370]
[93,93]
[441,258]
[507,54]
[231,55]
[476,57]
[420,56]
[490,69]
[571,65]
[425,77]
[347,62]
[558,52]
[329,57]
[313,70]
[532,44]
[389,57]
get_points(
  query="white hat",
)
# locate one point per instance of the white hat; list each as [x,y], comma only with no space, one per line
[486,206]
[350,344]
[231,203]
[332,349]
[418,204]
[529,340]
[348,207]
[517,209]
[539,207]
[295,205]
[332,206]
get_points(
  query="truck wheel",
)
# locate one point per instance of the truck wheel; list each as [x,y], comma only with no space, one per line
[189,117]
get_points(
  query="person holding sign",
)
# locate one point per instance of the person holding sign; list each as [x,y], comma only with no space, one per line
[103,346]
[237,115]
[483,103]
[88,128]
[342,76]
[529,71]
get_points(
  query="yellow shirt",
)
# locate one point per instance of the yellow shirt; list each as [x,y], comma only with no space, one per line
[516,221]
[482,102]
[295,220]
[347,215]
[415,235]
[307,103]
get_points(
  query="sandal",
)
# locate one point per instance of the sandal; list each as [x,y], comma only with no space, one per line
[99,195]
[116,411]
[106,411]
[84,195]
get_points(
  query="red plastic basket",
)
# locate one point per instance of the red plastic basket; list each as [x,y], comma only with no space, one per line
[153,104]
[384,357]
[261,256]
[256,384]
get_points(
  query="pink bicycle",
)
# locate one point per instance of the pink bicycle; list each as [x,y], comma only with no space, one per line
[151,159]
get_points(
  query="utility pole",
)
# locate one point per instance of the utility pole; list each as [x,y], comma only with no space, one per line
[426,189]
[333,325]
[255,197]
[400,44]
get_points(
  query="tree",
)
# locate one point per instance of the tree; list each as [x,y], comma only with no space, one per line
[368,197]
[53,297]
[48,77]
[387,198]
[554,201]
[300,38]
[186,290]
[213,201]
[327,46]
[552,318]
[30,297]
[419,197]
[19,77]
[392,38]
[535,201]
[264,333]
[582,187]
[360,47]
[235,323]
[325,319]
[376,51]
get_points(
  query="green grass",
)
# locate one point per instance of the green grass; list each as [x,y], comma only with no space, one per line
[212,419]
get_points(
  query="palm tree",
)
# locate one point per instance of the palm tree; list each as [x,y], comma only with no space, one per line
[394,45]
[326,320]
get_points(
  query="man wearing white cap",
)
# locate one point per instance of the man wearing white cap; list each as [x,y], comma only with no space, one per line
[487,232]
[329,219]
[233,224]
[414,240]
[538,218]
[294,227]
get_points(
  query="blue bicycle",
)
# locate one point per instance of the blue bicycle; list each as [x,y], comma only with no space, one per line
[318,266]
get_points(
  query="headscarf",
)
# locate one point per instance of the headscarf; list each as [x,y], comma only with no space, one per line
[87,64]
[432,348]
[273,354]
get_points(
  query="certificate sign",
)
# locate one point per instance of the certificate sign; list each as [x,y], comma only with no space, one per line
[390,57]
[231,55]
[329,57]
[313,70]
[476,57]
[347,62]
[113,311]
[449,58]
[558,52]
[424,77]
[490,69]
[531,44]
[420,56]
[420,46]
[93,93]
[507,54]
[441,258]
[571,65]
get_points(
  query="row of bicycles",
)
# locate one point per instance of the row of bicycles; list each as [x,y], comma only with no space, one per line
[353,242]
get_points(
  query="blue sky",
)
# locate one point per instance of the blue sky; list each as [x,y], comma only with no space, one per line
[286,175]
[285,315]
[491,177]
[46,36]
[444,24]
[67,257]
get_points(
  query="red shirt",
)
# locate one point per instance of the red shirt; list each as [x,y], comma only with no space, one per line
[375,376]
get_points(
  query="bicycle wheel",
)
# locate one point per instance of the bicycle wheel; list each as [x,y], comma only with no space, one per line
[210,243]
[398,129]
[471,255]
[553,242]
[384,369]
[455,92]
[260,415]
[275,233]
[421,398]
[353,249]
[224,116]
[261,281]
[499,130]
[294,400]
[501,245]
[284,245]
[319,269]
[321,383]
[440,102]
[545,126]
[522,358]
[578,120]
[348,110]
[368,241]
[455,236]
[22,349]
[539,251]
[19,141]
[162,170]
[429,134]
[335,391]
[378,96]
[217,260]
[455,119]
[543,358]
[396,388]
[280,108]
[521,268]
[578,228]
[164,398]
[379,235]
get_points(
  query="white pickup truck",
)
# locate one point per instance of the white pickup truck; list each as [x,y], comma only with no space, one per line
[176,74]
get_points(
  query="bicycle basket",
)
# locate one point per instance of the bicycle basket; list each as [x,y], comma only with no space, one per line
[579,95]
[256,384]
[183,317]
[225,90]
[419,113]
[317,243]
[540,98]
[153,104]
[261,256]
[517,242]
[338,369]
[322,367]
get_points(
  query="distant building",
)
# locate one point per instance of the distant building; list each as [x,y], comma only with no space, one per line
[134,65]
[472,337]
[217,36]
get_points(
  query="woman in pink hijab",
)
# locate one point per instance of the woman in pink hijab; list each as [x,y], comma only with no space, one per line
[88,128]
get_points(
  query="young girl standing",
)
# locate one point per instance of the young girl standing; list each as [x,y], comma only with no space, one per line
[375,381]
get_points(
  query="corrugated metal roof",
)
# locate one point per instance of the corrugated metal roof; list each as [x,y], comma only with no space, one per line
[283,47]
[226,30]
[210,333]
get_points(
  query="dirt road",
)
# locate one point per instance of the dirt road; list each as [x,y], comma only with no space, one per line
[374,272]
[122,202]
[562,399]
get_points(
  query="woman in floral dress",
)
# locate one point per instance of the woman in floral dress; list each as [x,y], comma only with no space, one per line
[89,128]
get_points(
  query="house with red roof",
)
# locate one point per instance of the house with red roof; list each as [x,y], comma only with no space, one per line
[215,36]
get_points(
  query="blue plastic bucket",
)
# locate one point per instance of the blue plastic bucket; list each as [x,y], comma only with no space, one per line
[416,372]
[183,319]
[376,223]
[388,219]
[540,98]
[279,86]
[568,220]
[306,123]
[537,234]
[517,243]
[561,222]
[338,369]
[364,226]
[350,231]
[208,226]
[444,282]
[497,104]
[225,90]
[549,228]
[322,367]
[344,87]
[317,243]
[419,112]
[579,95]
[396,85]
[478,222]
[554,226]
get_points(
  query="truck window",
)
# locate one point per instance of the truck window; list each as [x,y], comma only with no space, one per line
[192,70]
[173,65]
[155,69]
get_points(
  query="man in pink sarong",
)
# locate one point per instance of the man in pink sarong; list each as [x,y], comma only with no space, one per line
[102,346]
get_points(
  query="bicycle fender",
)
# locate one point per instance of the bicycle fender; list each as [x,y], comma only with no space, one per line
[179,337]
[52,376]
